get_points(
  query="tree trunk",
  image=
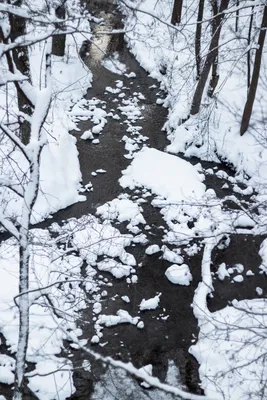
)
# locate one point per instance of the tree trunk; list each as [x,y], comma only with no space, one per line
[23,314]
[214,78]
[214,75]
[30,196]
[198,36]
[21,59]
[177,12]
[59,41]
[237,16]
[249,41]
[255,76]
[211,57]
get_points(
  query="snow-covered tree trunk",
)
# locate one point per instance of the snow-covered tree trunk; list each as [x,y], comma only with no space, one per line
[24,304]
[23,314]
[37,142]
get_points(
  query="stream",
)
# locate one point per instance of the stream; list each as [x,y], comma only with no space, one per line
[163,340]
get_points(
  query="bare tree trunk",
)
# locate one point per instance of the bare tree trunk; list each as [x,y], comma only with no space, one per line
[255,76]
[59,41]
[20,57]
[211,57]
[177,12]
[198,36]
[214,78]
[214,74]
[237,16]
[249,41]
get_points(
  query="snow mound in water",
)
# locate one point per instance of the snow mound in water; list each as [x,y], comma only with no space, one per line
[164,174]
[117,269]
[123,210]
[150,304]
[179,274]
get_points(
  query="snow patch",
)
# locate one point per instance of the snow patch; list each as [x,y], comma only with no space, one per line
[179,274]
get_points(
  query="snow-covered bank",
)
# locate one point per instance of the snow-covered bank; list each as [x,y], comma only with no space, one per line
[47,328]
[60,175]
[231,347]
[231,351]
[58,292]
[166,53]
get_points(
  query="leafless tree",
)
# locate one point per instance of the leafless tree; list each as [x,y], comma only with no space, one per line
[255,76]
[210,58]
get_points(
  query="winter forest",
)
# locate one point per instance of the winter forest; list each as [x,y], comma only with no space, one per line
[133,199]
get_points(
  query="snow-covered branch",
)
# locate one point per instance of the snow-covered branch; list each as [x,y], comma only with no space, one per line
[140,374]
[17,142]
[36,16]
[29,39]
[10,184]
[10,77]
[9,226]
[205,287]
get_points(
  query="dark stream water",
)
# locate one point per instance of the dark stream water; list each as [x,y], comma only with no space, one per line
[160,340]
